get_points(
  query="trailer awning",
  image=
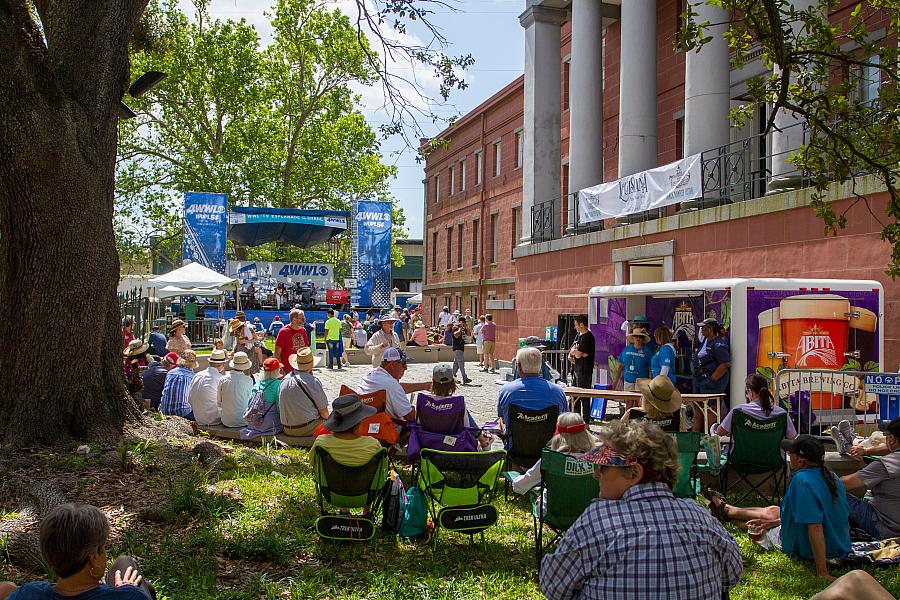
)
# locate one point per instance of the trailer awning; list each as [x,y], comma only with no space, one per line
[252,226]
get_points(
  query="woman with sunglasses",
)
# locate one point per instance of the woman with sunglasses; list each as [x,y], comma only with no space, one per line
[641,541]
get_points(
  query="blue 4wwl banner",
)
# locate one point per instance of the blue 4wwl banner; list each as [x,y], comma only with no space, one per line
[205,229]
[372,254]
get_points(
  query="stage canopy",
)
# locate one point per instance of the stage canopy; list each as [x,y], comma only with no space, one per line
[193,277]
[252,226]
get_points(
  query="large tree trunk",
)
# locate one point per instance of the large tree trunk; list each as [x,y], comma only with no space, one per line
[61,357]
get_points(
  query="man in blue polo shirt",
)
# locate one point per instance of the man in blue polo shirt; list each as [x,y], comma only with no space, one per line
[530,390]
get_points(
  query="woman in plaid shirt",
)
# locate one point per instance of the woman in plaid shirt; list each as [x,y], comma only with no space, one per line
[638,541]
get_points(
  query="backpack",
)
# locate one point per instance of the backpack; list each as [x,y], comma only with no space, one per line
[258,409]
[392,511]
[414,516]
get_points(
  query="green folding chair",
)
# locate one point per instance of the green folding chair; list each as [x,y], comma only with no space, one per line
[460,487]
[570,487]
[688,482]
[352,488]
[756,450]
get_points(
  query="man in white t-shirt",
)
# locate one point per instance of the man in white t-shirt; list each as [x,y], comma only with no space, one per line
[204,390]
[387,377]
[444,317]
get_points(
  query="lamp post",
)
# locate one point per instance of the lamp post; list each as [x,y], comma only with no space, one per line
[141,86]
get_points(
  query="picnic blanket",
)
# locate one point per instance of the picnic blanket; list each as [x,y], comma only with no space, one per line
[879,552]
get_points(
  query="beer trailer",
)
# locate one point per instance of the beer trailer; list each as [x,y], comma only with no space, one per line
[770,325]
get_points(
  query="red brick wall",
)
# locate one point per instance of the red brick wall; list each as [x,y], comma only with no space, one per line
[782,244]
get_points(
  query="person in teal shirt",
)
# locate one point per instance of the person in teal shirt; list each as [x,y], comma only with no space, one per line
[812,522]
[635,359]
[333,339]
[663,361]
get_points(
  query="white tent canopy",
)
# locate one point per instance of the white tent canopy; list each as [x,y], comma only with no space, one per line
[417,299]
[196,279]
[171,290]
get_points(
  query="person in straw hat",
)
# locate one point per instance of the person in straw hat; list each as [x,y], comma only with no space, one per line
[382,339]
[244,335]
[635,359]
[344,444]
[136,360]
[233,394]
[660,404]
[178,341]
[419,335]
[175,391]
[301,397]
[204,390]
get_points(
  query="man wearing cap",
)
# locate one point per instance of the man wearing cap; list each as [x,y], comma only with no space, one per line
[879,517]
[530,390]
[204,391]
[301,398]
[635,359]
[344,444]
[459,351]
[291,339]
[333,339]
[444,317]
[233,395]
[154,378]
[812,521]
[275,326]
[387,377]
[382,339]
[157,342]
[174,399]
[712,366]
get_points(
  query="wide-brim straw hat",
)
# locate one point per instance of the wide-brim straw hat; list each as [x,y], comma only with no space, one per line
[641,333]
[217,357]
[660,392]
[235,325]
[347,412]
[175,325]
[241,362]
[304,360]
[136,347]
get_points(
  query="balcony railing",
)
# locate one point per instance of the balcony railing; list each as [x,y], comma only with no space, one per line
[736,172]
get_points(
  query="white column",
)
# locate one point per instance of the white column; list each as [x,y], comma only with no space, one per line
[541,179]
[787,134]
[586,96]
[637,87]
[707,84]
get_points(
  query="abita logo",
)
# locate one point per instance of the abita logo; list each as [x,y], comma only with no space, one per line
[816,343]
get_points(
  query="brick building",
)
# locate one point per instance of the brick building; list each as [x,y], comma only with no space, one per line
[502,233]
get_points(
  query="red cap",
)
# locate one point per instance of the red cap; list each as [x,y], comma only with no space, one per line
[271,364]
[172,358]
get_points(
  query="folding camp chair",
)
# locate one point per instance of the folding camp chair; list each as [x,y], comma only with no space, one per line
[688,473]
[567,488]
[461,487]
[440,425]
[345,487]
[756,450]
[530,431]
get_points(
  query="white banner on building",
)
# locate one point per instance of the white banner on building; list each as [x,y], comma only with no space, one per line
[662,186]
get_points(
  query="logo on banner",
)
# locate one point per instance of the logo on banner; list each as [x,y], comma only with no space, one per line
[683,321]
[634,188]
[679,179]
[816,343]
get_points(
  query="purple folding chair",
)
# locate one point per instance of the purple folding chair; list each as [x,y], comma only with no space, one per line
[441,424]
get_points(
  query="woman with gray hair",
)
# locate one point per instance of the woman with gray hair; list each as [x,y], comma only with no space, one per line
[73,542]
[572,437]
[643,542]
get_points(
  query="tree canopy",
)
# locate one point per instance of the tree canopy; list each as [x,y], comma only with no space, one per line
[270,126]
[840,75]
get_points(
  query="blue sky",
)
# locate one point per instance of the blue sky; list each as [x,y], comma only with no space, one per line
[487,29]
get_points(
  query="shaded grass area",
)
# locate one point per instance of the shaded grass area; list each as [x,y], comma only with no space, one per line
[245,531]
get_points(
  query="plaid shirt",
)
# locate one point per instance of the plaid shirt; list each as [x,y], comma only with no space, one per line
[647,545]
[175,392]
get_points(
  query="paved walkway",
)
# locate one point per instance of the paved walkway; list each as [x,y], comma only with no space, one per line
[481,394]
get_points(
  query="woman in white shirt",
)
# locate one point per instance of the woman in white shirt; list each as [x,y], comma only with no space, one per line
[479,341]
[572,438]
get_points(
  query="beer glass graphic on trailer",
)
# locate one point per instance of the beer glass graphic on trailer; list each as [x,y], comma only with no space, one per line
[863,338]
[814,329]
[769,348]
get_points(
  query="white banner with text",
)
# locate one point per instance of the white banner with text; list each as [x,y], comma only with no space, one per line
[662,186]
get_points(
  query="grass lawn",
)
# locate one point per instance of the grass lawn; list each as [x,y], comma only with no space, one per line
[244,531]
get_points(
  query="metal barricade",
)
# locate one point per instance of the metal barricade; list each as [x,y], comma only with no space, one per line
[820,398]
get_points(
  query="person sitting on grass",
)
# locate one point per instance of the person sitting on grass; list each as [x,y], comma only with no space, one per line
[812,521]
[759,405]
[640,541]
[879,517]
[572,437]
[660,404]
[73,543]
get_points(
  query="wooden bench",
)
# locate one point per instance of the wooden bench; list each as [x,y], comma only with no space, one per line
[234,433]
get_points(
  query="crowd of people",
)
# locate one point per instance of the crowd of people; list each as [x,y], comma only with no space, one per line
[623,545]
